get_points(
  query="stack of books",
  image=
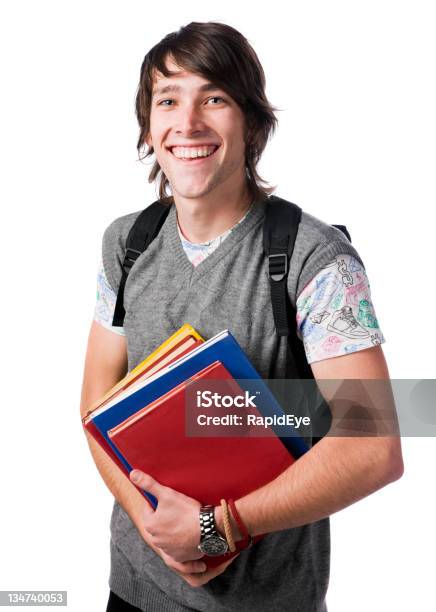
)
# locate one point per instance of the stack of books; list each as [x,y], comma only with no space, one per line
[147,422]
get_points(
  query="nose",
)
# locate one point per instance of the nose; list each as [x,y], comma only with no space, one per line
[190,121]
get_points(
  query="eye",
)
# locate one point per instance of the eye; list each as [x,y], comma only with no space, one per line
[216,98]
[162,102]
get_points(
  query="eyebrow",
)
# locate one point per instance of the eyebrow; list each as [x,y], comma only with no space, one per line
[176,89]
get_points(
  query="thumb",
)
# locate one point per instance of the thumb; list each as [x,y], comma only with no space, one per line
[146,482]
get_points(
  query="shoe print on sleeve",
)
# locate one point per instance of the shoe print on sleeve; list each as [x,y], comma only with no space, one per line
[335,315]
[344,323]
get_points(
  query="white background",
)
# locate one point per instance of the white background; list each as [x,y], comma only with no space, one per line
[355,145]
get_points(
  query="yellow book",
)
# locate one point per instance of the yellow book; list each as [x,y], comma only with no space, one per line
[180,334]
[185,331]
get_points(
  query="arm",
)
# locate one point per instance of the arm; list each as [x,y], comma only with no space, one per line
[337,471]
[105,365]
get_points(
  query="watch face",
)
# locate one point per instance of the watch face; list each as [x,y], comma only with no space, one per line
[214,546]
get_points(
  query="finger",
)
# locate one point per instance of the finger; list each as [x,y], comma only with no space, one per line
[147,482]
[196,580]
[185,558]
[215,571]
[188,567]
[180,557]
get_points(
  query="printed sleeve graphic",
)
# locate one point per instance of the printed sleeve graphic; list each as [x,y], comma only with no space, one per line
[335,315]
[105,305]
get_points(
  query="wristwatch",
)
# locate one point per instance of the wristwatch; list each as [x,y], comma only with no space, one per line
[212,542]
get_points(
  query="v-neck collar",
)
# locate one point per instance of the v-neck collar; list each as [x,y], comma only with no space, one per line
[190,272]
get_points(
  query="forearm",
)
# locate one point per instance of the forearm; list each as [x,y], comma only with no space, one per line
[137,508]
[335,473]
[106,363]
[119,485]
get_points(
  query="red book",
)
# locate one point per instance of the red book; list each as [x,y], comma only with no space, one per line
[154,441]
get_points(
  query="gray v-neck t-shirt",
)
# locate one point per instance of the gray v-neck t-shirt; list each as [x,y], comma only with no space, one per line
[286,570]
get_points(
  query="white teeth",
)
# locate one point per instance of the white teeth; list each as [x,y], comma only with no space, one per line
[192,152]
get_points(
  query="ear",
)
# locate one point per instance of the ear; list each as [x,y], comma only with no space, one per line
[148,140]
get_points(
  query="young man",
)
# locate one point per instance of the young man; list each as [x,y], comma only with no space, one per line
[203,112]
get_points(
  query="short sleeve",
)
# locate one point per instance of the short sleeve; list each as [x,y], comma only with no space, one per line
[105,305]
[335,313]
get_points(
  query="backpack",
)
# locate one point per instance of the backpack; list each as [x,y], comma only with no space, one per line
[280,228]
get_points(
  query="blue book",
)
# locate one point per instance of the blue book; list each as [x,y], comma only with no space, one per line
[224,348]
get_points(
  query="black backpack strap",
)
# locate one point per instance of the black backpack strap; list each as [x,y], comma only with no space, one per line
[142,233]
[280,228]
[344,231]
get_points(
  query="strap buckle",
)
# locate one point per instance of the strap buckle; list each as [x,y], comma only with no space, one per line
[129,259]
[278,266]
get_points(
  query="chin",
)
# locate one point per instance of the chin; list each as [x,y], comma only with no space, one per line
[192,192]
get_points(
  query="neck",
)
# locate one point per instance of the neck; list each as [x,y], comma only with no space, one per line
[203,219]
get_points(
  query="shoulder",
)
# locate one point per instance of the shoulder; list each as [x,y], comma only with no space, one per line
[113,246]
[116,232]
[317,230]
[316,245]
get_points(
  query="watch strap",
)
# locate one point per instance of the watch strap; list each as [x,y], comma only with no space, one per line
[207,521]
[208,530]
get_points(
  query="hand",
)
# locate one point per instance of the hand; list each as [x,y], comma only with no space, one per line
[195,573]
[199,579]
[174,526]
[188,570]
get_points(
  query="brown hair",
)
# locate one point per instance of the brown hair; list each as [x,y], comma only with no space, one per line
[220,54]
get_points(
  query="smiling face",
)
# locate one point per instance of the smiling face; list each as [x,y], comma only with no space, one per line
[197,133]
